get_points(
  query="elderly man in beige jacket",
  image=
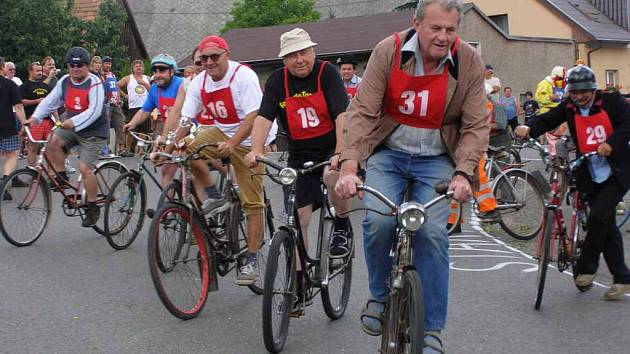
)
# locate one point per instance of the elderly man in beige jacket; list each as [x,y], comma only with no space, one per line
[419,117]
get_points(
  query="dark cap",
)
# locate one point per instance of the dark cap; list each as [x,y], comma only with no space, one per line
[489,67]
[347,59]
[77,55]
[107,59]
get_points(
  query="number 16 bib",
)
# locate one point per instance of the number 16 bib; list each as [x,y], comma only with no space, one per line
[592,131]
[417,101]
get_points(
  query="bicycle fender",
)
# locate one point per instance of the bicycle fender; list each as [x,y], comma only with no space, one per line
[122,166]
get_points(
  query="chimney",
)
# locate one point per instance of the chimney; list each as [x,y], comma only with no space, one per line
[617,10]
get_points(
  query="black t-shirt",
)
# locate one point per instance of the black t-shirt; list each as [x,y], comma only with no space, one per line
[32,90]
[9,96]
[273,106]
[530,107]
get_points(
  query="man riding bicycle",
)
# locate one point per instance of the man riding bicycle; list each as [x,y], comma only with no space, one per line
[598,121]
[81,94]
[420,117]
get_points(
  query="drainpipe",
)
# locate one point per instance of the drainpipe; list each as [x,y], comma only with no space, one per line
[588,55]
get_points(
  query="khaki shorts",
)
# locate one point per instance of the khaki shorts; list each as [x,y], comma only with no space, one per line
[89,148]
[250,181]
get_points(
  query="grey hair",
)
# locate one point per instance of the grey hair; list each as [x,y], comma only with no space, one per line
[447,5]
[9,64]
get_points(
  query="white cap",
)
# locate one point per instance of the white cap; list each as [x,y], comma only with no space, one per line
[295,40]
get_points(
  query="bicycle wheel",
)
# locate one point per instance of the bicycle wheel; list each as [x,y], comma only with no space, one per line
[514,157]
[403,330]
[124,210]
[24,211]
[455,217]
[106,174]
[179,266]
[520,204]
[278,293]
[336,294]
[544,257]
[172,192]
[623,211]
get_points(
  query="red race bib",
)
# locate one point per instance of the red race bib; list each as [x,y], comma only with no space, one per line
[77,99]
[417,101]
[351,91]
[308,117]
[219,104]
[165,105]
[592,131]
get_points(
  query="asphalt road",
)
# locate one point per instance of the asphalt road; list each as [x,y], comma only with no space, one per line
[71,293]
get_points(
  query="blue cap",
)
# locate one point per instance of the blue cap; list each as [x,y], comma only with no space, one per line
[164,59]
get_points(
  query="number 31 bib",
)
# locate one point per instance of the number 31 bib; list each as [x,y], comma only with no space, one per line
[592,131]
[417,101]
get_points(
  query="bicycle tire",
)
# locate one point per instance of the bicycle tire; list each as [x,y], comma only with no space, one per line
[622,217]
[519,187]
[403,330]
[194,290]
[340,278]
[105,174]
[544,257]
[275,335]
[128,189]
[514,157]
[450,228]
[171,193]
[37,185]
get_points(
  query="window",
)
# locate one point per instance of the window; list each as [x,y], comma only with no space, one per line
[502,22]
[476,45]
[611,78]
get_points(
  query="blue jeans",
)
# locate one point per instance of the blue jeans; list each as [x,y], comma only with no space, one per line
[391,172]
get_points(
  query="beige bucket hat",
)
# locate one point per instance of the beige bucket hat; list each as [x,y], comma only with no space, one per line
[293,41]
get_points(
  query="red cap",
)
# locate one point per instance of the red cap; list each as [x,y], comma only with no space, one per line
[213,42]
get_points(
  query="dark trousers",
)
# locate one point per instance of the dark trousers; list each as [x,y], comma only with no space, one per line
[603,235]
[513,123]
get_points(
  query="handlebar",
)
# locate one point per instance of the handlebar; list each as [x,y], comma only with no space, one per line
[27,129]
[441,188]
[299,172]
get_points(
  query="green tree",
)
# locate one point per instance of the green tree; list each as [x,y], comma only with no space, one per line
[33,29]
[260,13]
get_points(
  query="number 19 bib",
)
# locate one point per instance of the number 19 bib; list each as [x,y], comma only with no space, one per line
[417,101]
[307,117]
[592,131]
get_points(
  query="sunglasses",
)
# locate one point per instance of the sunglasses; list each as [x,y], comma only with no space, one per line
[198,63]
[161,69]
[76,66]
[213,57]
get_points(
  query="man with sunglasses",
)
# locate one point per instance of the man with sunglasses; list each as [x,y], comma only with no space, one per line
[230,94]
[82,95]
[162,95]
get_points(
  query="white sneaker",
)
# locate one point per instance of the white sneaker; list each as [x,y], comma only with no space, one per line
[247,275]
[68,167]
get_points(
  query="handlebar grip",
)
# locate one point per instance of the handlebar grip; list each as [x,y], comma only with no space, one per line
[269,163]
[441,187]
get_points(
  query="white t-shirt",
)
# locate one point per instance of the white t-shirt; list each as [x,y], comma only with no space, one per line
[494,81]
[17,80]
[136,92]
[246,94]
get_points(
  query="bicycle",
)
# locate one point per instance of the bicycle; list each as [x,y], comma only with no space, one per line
[288,292]
[187,249]
[403,319]
[519,197]
[569,242]
[623,211]
[128,197]
[24,217]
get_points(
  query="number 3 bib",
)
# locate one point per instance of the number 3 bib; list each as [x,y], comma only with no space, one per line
[417,101]
[308,117]
[219,104]
[592,131]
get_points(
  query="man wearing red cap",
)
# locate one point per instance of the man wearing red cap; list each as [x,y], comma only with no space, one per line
[230,94]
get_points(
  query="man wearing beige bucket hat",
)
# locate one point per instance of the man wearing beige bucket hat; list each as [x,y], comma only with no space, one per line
[308,97]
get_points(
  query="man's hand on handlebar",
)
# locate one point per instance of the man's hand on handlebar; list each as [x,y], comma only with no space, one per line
[250,158]
[346,186]
[129,126]
[462,191]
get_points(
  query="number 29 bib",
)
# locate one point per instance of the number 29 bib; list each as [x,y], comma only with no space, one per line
[592,131]
[417,101]
[307,117]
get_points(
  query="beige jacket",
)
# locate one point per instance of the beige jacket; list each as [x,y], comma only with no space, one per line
[466,127]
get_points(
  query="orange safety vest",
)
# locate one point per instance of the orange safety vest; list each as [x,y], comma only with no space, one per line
[485,198]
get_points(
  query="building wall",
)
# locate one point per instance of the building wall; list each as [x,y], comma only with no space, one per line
[519,64]
[528,18]
[609,59]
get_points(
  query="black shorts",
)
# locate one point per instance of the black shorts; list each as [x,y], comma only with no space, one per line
[308,188]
